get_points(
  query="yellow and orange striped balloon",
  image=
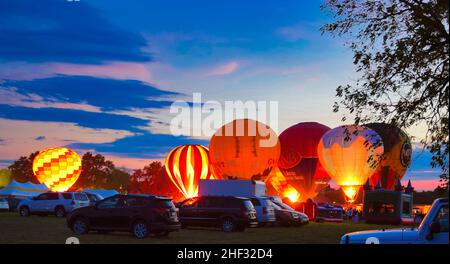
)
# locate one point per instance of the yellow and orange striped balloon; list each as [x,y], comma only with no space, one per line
[186,165]
[57,168]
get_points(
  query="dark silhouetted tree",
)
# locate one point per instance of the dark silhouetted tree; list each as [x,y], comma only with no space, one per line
[22,169]
[401,52]
[95,172]
[153,179]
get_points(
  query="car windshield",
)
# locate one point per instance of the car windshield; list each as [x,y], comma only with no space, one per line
[284,206]
[163,203]
[276,206]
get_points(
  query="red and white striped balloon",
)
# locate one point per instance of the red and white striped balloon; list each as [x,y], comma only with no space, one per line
[186,165]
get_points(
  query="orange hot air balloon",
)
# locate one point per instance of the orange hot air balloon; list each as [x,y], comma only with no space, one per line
[350,154]
[57,168]
[397,155]
[185,165]
[244,149]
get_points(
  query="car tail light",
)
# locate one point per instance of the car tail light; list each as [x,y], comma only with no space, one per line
[72,202]
[264,210]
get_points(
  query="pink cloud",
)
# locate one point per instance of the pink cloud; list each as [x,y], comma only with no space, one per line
[224,69]
[114,70]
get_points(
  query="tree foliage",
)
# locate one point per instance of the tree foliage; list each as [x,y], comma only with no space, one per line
[153,179]
[22,169]
[401,52]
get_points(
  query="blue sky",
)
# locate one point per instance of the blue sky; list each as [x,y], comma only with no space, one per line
[100,75]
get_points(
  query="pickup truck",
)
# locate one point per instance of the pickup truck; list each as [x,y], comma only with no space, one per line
[432,230]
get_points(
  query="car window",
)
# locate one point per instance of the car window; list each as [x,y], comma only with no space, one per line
[442,218]
[109,203]
[248,205]
[133,202]
[255,202]
[48,196]
[92,197]
[163,203]
[80,197]
[67,196]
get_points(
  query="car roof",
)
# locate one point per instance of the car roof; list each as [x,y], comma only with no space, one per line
[141,195]
[225,196]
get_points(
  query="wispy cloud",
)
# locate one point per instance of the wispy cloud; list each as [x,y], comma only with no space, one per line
[224,69]
[20,136]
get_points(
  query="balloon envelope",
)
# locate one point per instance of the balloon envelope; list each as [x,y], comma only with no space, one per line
[57,168]
[397,155]
[185,165]
[244,149]
[350,154]
[299,161]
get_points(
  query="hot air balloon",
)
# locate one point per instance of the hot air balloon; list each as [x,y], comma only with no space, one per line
[185,165]
[350,154]
[396,157]
[244,149]
[299,162]
[57,168]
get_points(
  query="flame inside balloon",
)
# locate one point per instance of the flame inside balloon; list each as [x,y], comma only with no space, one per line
[185,165]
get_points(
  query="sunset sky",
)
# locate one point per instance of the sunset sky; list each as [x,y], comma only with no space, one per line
[100,75]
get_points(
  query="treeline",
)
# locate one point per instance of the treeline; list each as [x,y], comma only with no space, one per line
[100,173]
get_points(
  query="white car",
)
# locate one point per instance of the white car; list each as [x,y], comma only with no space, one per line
[55,203]
[433,230]
[265,213]
[4,206]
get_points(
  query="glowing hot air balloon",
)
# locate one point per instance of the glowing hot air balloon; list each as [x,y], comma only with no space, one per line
[57,168]
[299,162]
[244,149]
[185,165]
[397,155]
[350,154]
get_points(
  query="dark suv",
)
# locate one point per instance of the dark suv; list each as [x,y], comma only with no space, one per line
[226,212]
[135,213]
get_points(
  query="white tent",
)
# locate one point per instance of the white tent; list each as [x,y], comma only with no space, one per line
[26,189]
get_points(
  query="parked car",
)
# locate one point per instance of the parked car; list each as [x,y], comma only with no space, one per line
[292,218]
[229,213]
[286,217]
[139,214]
[265,213]
[432,230]
[4,206]
[55,203]
[93,198]
[13,203]
[304,219]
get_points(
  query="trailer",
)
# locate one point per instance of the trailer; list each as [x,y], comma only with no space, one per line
[242,188]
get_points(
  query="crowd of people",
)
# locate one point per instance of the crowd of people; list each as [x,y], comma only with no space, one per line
[353,214]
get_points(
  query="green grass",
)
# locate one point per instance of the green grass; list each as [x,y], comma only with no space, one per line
[49,229]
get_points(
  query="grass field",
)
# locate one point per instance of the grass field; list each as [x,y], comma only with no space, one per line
[49,229]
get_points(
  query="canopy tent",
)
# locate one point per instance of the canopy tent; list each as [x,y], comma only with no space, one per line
[26,189]
[103,193]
